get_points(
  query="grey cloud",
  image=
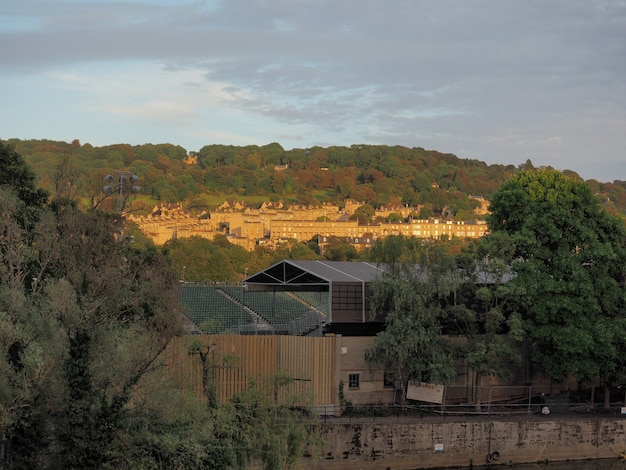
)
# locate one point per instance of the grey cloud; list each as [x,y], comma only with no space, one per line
[453,72]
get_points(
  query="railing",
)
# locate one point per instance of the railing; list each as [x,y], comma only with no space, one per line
[485,402]
[404,413]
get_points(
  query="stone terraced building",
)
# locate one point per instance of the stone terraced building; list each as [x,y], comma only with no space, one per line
[272,223]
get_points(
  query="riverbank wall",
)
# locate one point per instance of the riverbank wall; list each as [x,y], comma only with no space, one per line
[450,443]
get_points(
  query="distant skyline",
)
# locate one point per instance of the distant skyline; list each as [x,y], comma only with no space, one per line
[492,80]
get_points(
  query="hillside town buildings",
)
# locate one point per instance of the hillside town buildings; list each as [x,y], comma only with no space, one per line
[272,223]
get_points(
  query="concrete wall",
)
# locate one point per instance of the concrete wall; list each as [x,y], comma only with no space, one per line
[371,389]
[432,444]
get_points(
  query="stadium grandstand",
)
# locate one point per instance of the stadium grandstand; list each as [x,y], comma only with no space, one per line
[289,298]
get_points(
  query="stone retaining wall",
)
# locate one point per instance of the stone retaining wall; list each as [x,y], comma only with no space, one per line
[403,445]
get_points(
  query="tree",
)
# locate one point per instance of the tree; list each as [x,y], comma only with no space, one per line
[570,267]
[20,179]
[483,310]
[24,364]
[364,214]
[412,296]
[65,180]
[81,342]
[115,305]
[279,182]
[83,317]
[252,427]
[268,433]
[339,249]
[207,260]
[395,218]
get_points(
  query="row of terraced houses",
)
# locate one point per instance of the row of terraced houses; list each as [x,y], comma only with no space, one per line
[272,223]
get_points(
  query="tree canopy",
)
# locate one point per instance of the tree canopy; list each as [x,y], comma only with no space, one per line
[484,311]
[570,264]
[551,276]
[17,176]
[84,316]
[412,296]
[75,300]
[439,183]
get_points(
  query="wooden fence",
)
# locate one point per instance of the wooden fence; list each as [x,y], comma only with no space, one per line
[238,360]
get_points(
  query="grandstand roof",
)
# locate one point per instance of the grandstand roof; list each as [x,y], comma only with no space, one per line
[309,273]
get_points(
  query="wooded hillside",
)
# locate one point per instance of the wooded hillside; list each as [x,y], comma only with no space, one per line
[375,174]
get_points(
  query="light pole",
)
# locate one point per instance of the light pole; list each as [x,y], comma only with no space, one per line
[125,186]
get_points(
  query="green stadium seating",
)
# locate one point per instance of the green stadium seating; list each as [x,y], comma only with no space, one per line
[220,309]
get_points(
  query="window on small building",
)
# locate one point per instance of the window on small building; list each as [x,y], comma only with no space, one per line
[388,380]
[354,381]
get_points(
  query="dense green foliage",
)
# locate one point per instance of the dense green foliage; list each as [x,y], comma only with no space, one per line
[484,311]
[199,259]
[73,301]
[570,260]
[22,181]
[84,317]
[73,298]
[375,174]
[437,289]
[549,279]
[413,295]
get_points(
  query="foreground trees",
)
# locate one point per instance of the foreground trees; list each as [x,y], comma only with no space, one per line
[84,316]
[252,426]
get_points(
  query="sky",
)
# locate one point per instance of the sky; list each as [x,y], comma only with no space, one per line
[493,80]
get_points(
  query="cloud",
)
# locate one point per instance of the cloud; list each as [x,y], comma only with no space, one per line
[489,79]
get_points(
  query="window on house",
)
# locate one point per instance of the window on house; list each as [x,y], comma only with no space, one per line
[354,381]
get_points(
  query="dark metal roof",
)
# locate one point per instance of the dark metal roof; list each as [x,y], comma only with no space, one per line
[322,273]
[288,272]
